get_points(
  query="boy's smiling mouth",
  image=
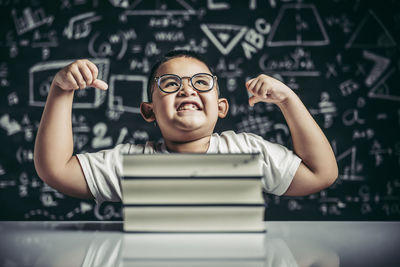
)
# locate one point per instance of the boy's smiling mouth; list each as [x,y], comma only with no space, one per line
[188,105]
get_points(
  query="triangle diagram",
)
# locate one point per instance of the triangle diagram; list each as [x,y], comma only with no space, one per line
[348,164]
[385,87]
[225,37]
[371,33]
[298,25]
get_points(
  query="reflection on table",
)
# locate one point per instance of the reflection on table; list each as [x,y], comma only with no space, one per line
[284,244]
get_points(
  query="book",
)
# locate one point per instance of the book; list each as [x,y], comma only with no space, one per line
[192,190]
[192,165]
[192,193]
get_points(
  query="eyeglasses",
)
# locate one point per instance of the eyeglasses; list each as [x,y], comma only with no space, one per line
[171,83]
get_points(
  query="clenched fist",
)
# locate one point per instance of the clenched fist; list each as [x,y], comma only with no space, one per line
[267,89]
[79,75]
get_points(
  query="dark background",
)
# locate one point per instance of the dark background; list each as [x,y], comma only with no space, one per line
[341,57]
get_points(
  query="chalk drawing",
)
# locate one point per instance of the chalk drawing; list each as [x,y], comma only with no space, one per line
[385,87]
[351,116]
[366,208]
[294,205]
[41,39]
[371,33]
[85,207]
[297,63]
[349,166]
[231,84]
[7,183]
[360,69]
[10,125]
[159,8]
[224,36]
[80,140]
[331,70]
[4,75]
[107,45]
[121,3]
[255,42]
[30,20]
[80,26]
[391,208]
[80,124]
[125,98]
[143,65]
[151,49]
[380,66]
[169,36]
[236,109]
[262,26]
[298,25]
[140,135]
[122,134]
[106,212]
[167,21]
[281,132]
[367,134]
[342,21]
[326,108]
[255,124]
[24,155]
[80,129]
[217,5]
[230,69]
[2,171]
[100,140]
[48,200]
[378,152]
[252,4]
[192,45]
[348,87]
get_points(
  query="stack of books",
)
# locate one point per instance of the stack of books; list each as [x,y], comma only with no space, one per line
[192,193]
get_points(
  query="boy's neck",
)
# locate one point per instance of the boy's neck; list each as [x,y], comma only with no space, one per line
[195,146]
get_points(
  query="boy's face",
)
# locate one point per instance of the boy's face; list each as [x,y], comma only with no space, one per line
[185,115]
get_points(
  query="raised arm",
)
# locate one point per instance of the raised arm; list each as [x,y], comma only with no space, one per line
[53,153]
[318,169]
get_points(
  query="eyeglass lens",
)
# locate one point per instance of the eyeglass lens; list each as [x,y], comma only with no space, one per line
[172,83]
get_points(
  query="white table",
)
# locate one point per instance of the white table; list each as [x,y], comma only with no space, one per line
[284,244]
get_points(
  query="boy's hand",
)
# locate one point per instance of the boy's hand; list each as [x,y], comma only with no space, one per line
[79,75]
[267,89]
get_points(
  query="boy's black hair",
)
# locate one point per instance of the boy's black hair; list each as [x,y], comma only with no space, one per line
[168,56]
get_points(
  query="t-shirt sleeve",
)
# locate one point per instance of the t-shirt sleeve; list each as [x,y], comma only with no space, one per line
[279,164]
[102,171]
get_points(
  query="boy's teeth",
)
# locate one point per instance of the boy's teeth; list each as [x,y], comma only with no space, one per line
[188,107]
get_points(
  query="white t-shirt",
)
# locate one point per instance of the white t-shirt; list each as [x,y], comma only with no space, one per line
[103,169]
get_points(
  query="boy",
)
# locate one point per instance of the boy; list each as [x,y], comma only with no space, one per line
[185,103]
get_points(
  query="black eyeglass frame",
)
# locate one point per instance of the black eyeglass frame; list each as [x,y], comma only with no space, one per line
[158,78]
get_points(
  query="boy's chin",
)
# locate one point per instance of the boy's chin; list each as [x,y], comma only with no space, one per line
[187,133]
[188,123]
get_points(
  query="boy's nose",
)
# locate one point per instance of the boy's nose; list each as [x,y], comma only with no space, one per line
[187,88]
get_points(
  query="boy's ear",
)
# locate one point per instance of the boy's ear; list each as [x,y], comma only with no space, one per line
[223,107]
[146,109]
